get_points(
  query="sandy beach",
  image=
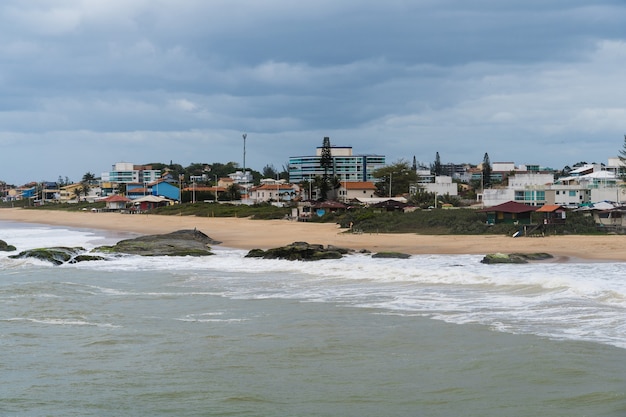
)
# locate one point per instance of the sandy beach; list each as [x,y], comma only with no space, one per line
[244,233]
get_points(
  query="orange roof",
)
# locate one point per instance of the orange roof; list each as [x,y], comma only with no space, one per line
[548,208]
[359,185]
[117,198]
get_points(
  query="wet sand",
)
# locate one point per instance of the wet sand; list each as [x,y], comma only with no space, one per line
[243,233]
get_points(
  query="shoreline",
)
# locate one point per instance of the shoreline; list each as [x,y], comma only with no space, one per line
[244,233]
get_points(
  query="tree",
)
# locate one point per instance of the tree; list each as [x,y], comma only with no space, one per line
[233,192]
[87,181]
[622,158]
[437,168]
[394,179]
[269,171]
[89,178]
[321,184]
[326,161]
[334,184]
[486,172]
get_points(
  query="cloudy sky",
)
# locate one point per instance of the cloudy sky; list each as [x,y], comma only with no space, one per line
[87,83]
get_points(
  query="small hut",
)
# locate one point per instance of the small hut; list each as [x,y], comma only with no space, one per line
[510,212]
[391,205]
[553,213]
[329,206]
[116,202]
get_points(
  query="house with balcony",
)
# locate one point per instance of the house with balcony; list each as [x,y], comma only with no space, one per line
[273,191]
[585,185]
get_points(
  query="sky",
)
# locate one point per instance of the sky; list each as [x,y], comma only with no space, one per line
[88,83]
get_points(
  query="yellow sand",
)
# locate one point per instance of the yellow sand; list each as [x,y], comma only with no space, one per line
[248,234]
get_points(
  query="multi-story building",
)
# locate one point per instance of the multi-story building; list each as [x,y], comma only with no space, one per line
[585,185]
[346,166]
[125,173]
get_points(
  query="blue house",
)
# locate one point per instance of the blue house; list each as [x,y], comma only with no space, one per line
[164,189]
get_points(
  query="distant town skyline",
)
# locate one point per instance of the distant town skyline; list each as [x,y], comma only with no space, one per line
[88,84]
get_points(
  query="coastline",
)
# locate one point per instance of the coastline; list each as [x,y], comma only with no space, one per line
[244,233]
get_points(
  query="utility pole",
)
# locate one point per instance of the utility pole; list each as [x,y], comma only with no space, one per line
[245,135]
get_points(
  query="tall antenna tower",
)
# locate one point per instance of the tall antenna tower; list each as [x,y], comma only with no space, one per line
[245,135]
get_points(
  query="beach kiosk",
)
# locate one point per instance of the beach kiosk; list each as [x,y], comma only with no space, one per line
[510,212]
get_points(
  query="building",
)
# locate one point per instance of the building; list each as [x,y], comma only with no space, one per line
[354,190]
[510,212]
[585,185]
[125,173]
[273,190]
[441,185]
[116,203]
[346,166]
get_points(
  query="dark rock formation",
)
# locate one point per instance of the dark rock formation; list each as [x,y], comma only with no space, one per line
[397,255]
[56,255]
[5,247]
[180,243]
[299,251]
[514,258]
[85,257]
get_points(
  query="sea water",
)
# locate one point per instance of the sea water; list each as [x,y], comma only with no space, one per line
[225,335]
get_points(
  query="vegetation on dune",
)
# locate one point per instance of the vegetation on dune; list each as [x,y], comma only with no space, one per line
[445,222]
[368,220]
[256,211]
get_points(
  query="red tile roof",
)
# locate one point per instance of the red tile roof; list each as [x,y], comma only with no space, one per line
[116,198]
[359,185]
[511,207]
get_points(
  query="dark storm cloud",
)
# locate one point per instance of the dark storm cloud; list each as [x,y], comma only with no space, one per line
[140,81]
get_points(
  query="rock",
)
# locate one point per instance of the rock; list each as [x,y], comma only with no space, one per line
[5,247]
[255,253]
[514,258]
[83,258]
[397,255]
[343,251]
[56,255]
[298,251]
[179,243]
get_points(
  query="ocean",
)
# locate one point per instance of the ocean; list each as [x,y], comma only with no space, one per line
[433,335]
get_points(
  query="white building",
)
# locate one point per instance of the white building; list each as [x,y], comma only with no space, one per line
[526,188]
[126,172]
[443,185]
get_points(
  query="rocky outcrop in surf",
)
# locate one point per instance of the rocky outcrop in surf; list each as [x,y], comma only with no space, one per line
[5,247]
[514,258]
[299,251]
[179,243]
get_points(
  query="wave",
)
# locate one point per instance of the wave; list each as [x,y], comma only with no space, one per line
[568,300]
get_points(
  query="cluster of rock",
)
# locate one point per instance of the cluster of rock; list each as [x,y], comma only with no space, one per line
[58,255]
[180,243]
[196,243]
[300,251]
[303,251]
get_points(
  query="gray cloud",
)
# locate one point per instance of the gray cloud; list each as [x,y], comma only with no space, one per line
[88,84]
